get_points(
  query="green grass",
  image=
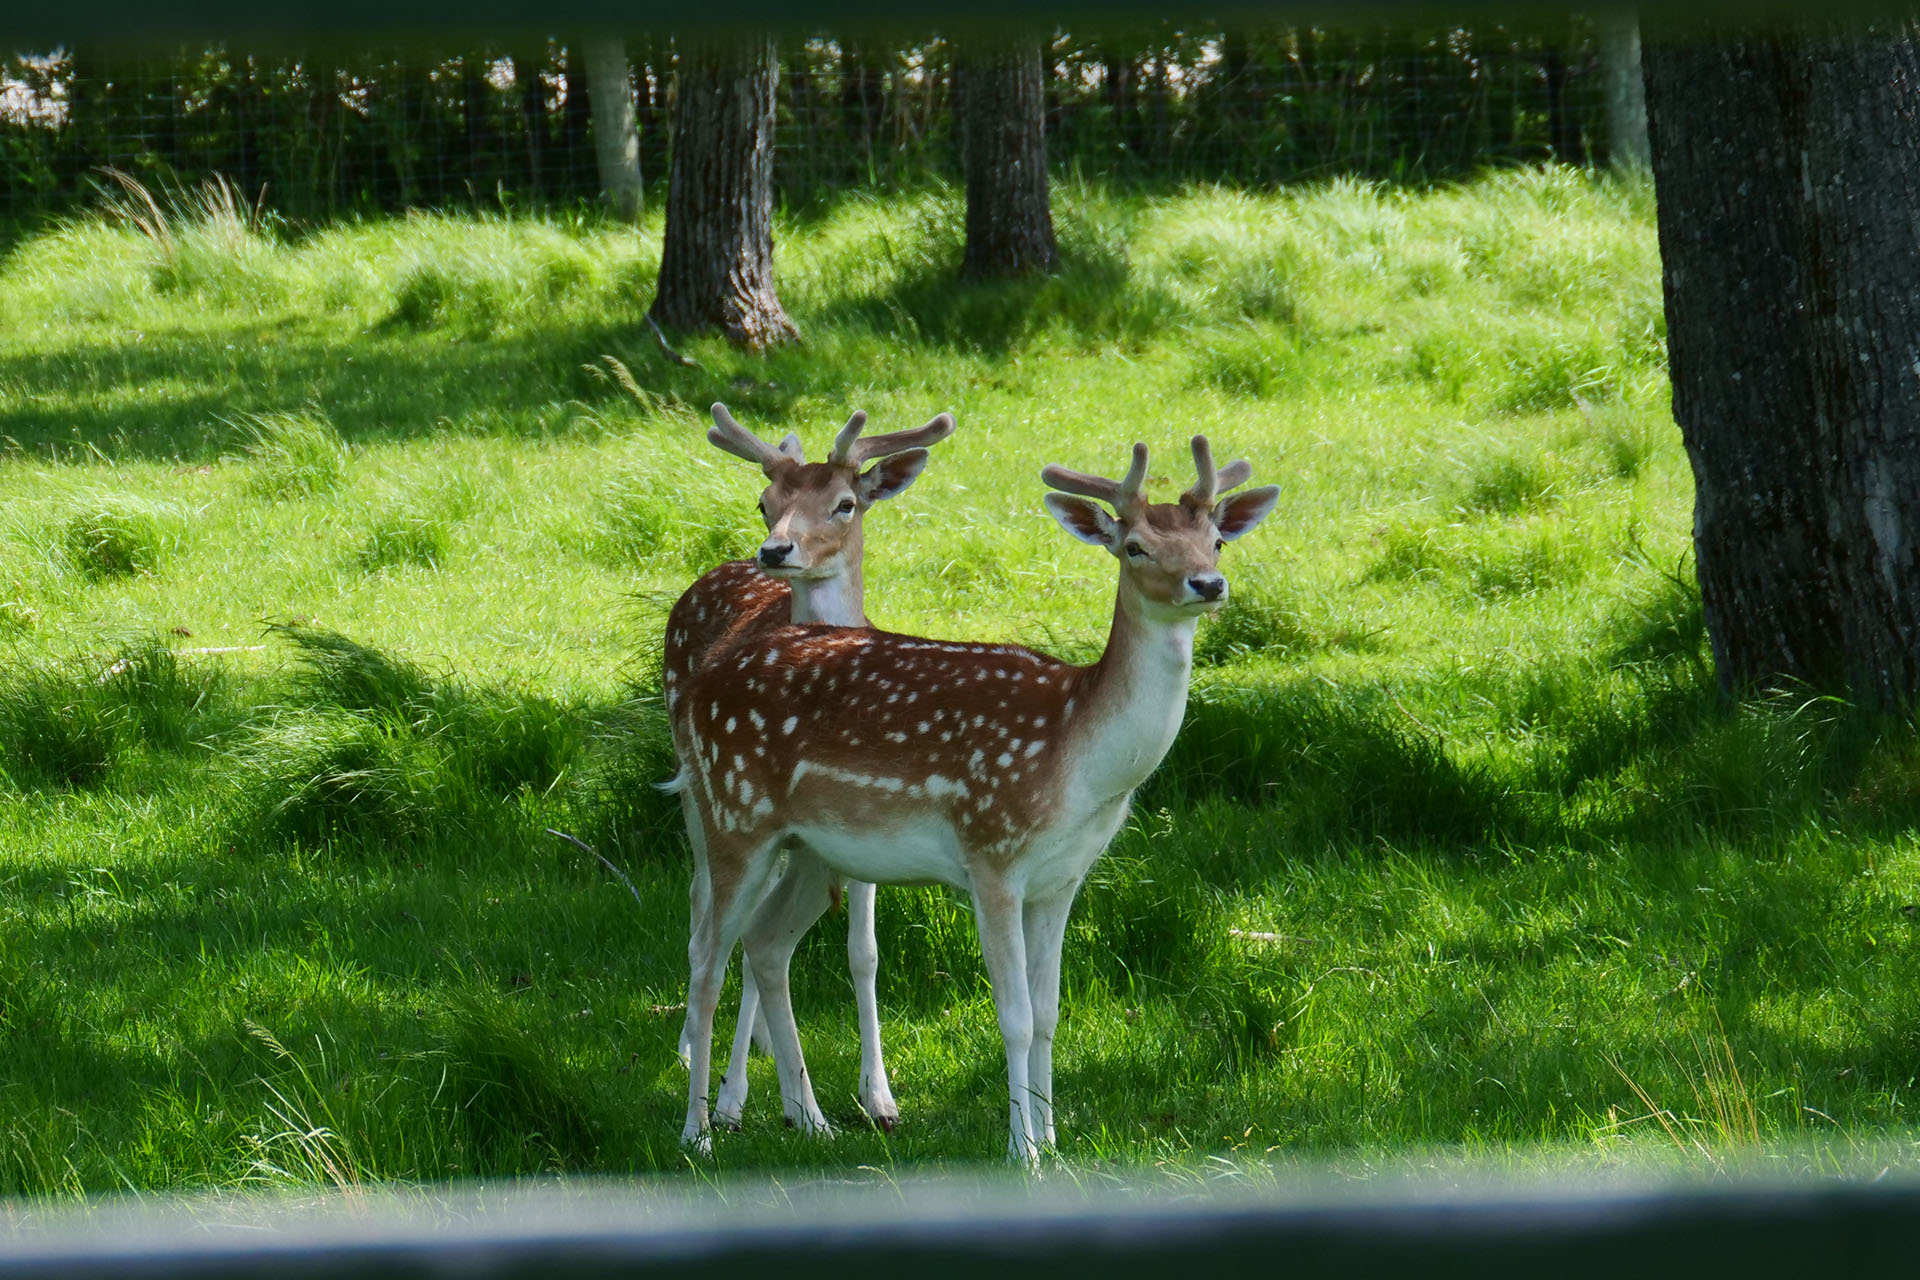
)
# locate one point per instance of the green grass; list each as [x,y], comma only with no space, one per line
[332,569]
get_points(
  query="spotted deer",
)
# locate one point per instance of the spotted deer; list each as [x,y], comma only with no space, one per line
[991,768]
[808,570]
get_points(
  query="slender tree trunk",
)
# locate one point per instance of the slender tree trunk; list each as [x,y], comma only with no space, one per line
[716,268]
[576,115]
[1790,238]
[616,143]
[1562,129]
[1003,121]
[528,66]
[1626,92]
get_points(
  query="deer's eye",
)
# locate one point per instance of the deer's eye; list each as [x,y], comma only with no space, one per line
[1218,544]
[1137,551]
[845,508]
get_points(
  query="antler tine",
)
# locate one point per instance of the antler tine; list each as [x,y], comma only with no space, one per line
[1203,488]
[1117,493]
[894,442]
[1211,482]
[846,444]
[730,436]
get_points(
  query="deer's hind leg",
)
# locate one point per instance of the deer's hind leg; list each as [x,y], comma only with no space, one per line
[797,899]
[734,872]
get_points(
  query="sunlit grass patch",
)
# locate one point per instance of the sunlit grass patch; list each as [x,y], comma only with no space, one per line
[109,535]
[293,455]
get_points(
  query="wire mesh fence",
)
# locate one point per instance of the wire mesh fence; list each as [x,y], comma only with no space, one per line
[319,133]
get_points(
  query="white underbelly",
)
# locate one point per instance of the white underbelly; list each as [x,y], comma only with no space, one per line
[924,851]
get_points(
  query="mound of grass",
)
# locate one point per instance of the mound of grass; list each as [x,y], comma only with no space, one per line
[56,728]
[405,537]
[516,1108]
[293,455]
[107,536]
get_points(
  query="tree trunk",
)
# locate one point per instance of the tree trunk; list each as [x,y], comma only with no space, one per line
[576,114]
[1625,90]
[716,268]
[1563,131]
[616,143]
[1790,238]
[1003,121]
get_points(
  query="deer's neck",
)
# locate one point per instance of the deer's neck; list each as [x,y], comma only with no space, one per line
[839,601]
[1133,698]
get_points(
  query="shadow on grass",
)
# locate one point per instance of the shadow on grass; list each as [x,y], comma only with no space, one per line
[178,396]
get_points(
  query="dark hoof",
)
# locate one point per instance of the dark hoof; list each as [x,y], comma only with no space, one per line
[887,1124]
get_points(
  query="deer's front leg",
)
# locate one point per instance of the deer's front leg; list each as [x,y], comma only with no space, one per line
[1003,945]
[798,898]
[863,961]
[1045,926]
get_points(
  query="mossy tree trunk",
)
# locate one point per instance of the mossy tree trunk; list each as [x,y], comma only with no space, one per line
[1790,236]
[716,268]
[1001,98]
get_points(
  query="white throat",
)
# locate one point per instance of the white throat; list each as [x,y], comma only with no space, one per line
[838,601]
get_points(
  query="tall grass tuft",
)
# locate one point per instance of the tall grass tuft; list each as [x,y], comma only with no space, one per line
[293,455]
[172,701]
[58,727]
[518,1109]
[403,537]
[207,242]
[108,536]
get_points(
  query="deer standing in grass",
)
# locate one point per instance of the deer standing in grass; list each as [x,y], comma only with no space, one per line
[808,570]
[991,768]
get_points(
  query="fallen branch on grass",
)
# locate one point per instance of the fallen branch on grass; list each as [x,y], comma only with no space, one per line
[577,842]
[687,361]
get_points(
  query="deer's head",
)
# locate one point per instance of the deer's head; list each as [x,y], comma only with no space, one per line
[1169,552]
[813,510]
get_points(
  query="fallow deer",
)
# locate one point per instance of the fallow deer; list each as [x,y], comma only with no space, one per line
[809,569]
[991,768]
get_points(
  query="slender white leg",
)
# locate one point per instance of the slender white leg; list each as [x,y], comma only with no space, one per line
[1003,945]
[715,930]
[703,992]
[1044,922]
[797,899]
[863,960]
[699,908]
[733,1086]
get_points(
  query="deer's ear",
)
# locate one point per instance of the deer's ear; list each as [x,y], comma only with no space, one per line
[889,477]
[1238,514]
[1085,520]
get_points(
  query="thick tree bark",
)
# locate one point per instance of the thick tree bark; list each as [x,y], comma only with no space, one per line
[616,143]
[716,268]
[1003,121]
[1790,236]
[1625,89]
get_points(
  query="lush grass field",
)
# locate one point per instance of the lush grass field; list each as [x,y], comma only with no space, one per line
[1458,851]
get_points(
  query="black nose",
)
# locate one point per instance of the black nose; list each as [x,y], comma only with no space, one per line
[1210,587]
[774,554]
